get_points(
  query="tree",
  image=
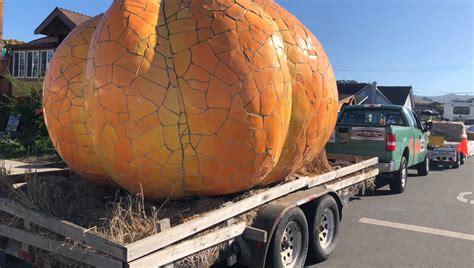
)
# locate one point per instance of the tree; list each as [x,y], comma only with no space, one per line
[347,81]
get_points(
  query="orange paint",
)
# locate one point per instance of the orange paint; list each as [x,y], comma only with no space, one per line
[411,145]
[418,146]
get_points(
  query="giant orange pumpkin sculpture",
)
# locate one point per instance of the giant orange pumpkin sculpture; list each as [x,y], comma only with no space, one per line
[190,97]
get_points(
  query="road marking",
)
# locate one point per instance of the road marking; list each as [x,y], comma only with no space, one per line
[419,229]
[461,198]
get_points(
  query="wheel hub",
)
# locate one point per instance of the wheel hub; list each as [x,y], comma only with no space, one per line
[404,177]
[291,244]
[326,228]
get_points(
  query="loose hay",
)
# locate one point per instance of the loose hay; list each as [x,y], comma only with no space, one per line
[115,213]
[452,131]
[318,166]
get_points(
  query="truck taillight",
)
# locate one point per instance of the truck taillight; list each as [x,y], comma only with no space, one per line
[391,142]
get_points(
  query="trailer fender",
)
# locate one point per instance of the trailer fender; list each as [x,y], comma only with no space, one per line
[270,215]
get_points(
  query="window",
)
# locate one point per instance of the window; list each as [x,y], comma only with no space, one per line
[32,64]
[46,56]
[461,110]
[19,64]
[373,117]
[417,121]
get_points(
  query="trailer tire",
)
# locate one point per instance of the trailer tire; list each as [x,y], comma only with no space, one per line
[458,160]
[322,244]
[289,245]
[423,168]
[398,183]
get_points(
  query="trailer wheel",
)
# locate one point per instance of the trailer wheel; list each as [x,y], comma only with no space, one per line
[289,246]
[423,168]
[324,229]
[398,183]
[458,160]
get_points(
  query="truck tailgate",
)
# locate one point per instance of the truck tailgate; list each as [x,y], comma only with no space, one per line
[363,141]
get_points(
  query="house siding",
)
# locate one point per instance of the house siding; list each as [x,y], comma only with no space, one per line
[409,104]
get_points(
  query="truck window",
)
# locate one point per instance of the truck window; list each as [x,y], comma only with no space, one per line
[376,117]
[461,110]
[418,123]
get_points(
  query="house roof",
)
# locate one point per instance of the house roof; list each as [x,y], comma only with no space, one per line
[397,95]
[345,89]
[360,99]
[70,18]
[44,42]
[345,96]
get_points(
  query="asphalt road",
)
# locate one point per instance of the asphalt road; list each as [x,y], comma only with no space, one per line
[429,201]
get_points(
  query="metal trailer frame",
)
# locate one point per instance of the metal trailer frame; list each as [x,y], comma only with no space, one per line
[174,243]
[448,153]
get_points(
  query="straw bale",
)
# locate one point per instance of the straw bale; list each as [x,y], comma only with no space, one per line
[451,131]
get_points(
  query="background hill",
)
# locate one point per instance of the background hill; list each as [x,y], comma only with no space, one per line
[442,98]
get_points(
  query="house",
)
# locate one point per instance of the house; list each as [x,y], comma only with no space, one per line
[29,61]
[347,101]
[365,93]
[399,95]
[1,25]
[3,65]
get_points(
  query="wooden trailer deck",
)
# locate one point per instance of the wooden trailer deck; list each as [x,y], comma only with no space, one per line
[171,243]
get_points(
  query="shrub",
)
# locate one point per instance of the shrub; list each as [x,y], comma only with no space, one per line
[11,148]
[32,137]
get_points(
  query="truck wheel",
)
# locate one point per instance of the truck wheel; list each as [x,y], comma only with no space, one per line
[423,168]
[324,229]
[289,246]
[399,181]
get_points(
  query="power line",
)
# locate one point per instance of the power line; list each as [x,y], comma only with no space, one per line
[399,71]
[410,67]
[438,68]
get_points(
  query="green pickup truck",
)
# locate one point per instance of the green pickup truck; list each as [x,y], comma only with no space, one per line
[392,133]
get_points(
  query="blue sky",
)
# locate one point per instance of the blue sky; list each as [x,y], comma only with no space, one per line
[428,44]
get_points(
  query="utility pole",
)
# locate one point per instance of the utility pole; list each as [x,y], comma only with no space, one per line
[373,97]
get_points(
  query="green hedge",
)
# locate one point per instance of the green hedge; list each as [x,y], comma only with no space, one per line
[32,137]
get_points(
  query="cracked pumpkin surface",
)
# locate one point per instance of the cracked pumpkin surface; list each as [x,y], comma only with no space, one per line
[190,97]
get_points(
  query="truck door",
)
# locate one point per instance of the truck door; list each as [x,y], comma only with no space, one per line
[413,137]
[420,142]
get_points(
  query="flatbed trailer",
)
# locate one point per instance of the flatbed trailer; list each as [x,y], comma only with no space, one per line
[295,219]
[448,153]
